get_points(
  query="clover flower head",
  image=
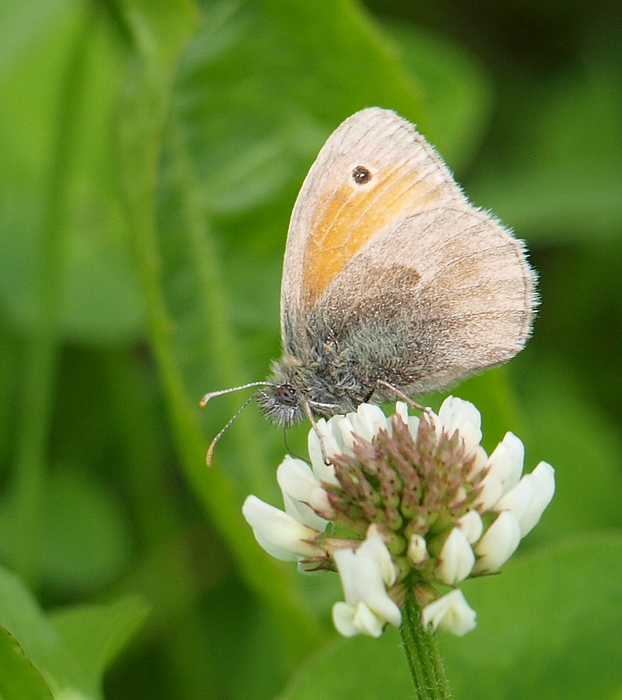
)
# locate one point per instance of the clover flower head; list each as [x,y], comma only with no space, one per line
[415,504]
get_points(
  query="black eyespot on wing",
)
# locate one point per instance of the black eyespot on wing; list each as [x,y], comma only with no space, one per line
[361,175]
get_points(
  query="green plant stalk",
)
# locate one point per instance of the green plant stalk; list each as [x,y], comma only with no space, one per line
[424,661]
[220,345]
[43,347]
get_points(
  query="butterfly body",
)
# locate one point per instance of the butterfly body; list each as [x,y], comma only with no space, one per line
[390,277]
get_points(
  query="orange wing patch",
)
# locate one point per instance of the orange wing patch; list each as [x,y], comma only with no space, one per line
[348,218]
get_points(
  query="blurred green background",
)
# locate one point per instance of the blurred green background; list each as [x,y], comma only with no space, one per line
[151,152]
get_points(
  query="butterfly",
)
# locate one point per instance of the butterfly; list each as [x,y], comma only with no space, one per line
[393,283]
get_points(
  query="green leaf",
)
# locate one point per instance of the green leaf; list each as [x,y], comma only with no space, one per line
[72,654]
[19,679]
[248,90]
[21,616]
[97,633]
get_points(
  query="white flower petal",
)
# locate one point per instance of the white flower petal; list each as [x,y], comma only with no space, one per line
[498,544]
[450,613]
[413,426]
[518,499]
[490,493]
[278,533]
[544,488]
[303,494]
[345,560]
[323,471]
[343,427]
[368,420]
[343,619]
[505,465]
[456,559]
[457,414]
[364,574]
[402,411]
[472,526]
[417,549]
[374,548]
[506,461]
[350,620]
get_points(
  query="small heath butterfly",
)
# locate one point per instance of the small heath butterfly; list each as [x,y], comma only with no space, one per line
[393,284]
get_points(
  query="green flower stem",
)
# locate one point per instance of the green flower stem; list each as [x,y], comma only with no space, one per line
[424,660]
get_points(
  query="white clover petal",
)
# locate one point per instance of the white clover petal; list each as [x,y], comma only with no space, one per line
[350,620]
[544,487]
[413,426]
[491,490]
[376,549]
[456,559]
[401,409]
[450,613]
[323,471]
[498,544]
[472,526]
[346,562]
[506,461]
[518,499]
[457,414]
[303,495]
[364,574]
[278,533]
[505,465]
[417,550]
[345,429]
[368,420]
[480,460]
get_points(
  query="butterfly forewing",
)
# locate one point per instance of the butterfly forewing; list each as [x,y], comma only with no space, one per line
[335,217]
[383,242]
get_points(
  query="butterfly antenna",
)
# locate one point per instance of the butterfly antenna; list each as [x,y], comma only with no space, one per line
[210,449]
[211,394]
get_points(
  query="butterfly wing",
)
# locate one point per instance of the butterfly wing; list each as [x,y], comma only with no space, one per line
[383,242]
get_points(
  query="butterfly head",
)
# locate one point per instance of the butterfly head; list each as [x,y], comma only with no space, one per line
[295,391]
[281,404]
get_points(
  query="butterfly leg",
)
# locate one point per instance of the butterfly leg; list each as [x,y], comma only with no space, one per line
[307,408]
[289,450]
[398,393]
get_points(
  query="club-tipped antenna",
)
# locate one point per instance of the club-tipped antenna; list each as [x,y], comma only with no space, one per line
[211,394]
[210,449]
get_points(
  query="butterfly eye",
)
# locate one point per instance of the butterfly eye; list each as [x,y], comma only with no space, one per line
[286,394]
[361,175]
